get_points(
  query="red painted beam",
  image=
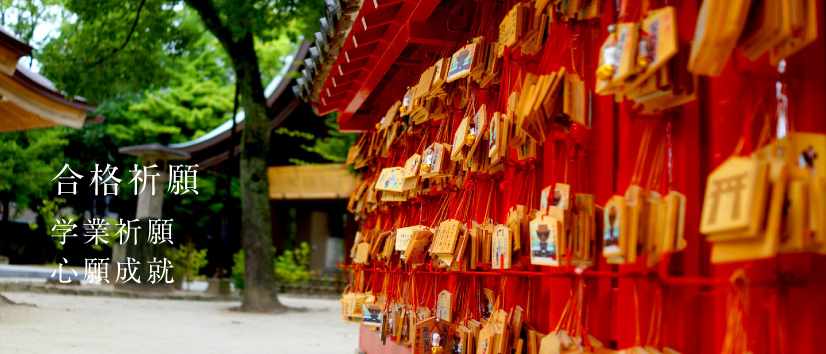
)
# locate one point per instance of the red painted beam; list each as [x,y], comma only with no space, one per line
[396,39]
[346,68]
[380,16]
[369,36]
[360,52]
[337,97]
[377,4]
[339,80]
[334,90]
[324,109]
[358,123]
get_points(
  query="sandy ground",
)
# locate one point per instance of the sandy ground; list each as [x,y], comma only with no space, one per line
[85,324]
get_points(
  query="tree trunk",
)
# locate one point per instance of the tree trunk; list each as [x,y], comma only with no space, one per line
[256,233]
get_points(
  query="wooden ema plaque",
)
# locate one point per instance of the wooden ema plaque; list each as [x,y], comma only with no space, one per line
[362,253]
[424,331]
[545,237]
[735,195]
[501,248]
[422,340]
[615,228]
[371,315]
[415,252]
[444,307]
[404,235]
[461,63]
[390,179]
[411,167]
[445,240]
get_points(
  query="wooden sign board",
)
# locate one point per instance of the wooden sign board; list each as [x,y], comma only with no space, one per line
[371,315]
[507,28]
[459,140]
[440,72]
[422,339]
[424,82]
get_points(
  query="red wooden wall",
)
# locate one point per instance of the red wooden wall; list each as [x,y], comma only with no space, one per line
[788,300]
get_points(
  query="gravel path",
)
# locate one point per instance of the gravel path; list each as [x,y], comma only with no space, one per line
[89,325]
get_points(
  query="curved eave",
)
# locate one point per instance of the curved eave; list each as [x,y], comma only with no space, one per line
[42,86]
[382,32]
[274,92]
[206,160]
[348,20]
[29,102]
[11,49]
[155,150]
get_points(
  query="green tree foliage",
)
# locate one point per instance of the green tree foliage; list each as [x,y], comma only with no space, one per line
[137,40]
[197,98]
[333,147]
[188,261]
[238,269]
[29,160]
[116,47]
[291,267]
[23,16]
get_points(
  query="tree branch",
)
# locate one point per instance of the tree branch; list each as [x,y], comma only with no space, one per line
[128,37]
[206,9]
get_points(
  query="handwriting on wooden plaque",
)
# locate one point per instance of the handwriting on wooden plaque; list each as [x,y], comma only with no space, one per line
[404,234]
[445,239]
[444,307]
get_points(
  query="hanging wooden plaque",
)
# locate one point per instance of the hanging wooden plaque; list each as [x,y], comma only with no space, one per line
[444,306]
[404,235]
[390,179]
[615,226]
[501,248]
[545,235]
[446,237]
[362,253]
[459,140]
[411,167]
[461,63]
[734,198]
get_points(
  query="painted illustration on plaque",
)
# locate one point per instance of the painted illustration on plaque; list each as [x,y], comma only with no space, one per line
[544,236]
[461,63]
[611,231]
